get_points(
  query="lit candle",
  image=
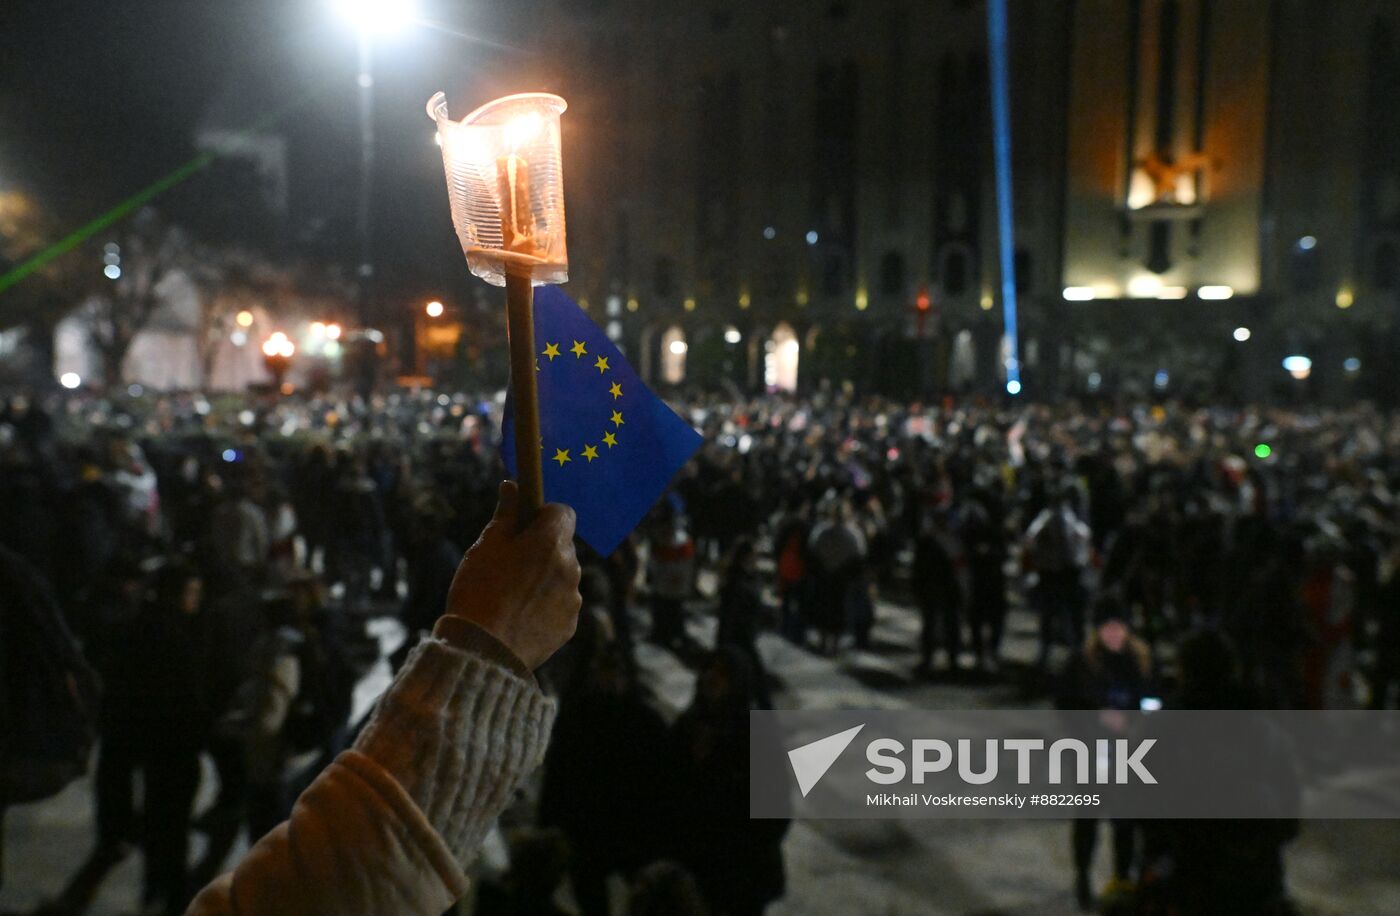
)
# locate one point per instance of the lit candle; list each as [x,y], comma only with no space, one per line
[517,220]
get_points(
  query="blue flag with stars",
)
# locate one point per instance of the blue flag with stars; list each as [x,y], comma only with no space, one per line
[610,446]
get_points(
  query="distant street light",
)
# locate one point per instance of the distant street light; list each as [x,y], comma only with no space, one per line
[277,355]
[1300,367]
[434,309]
[279,345]
[245,319]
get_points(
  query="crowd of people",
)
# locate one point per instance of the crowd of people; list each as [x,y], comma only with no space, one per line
[217,560]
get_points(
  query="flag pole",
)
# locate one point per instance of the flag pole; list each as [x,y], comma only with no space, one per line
[524,389]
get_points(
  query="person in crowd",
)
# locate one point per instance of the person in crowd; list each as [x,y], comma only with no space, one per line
[157,703]
[937,584]
[49,694]
[736,860]
[604,780]
[741,611]
[431,560]
[1220,867]
[837,552]
[1112,673]
[1386,672]
[670,576]
[282,529]
[665,889]
[790,556]
[313,488]
[539,864]
[239,537]
[983,529]
[358,530]
[620,569]
[254,725]
[870,521]
[119,600]
[1057,551]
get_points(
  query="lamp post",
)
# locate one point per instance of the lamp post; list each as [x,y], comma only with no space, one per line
[370,19]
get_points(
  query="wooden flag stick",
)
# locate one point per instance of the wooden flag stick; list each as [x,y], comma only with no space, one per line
[520,327]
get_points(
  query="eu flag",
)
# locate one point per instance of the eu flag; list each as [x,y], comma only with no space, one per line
[610,446]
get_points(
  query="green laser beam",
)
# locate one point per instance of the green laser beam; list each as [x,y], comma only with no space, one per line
[140,198]
[121,210]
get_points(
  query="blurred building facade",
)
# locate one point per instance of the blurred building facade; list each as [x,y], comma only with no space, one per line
[802,192]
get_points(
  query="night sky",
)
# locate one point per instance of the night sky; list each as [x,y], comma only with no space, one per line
[99,99]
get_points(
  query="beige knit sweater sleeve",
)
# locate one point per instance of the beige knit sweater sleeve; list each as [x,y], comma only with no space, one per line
[391,825]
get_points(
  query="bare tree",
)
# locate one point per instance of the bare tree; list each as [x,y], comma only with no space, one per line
[151,252]
[228,281]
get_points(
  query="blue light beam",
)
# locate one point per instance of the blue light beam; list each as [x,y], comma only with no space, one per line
[1001,148]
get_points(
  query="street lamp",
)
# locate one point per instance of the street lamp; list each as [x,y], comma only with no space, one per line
[370,19]
[434,309]
[277,355]
[376,16]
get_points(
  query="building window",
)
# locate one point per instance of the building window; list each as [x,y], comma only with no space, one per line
[834,274]
[1025,278]
[892,274]
[1303,265]
[1385,267]
[665,277]
[955,272]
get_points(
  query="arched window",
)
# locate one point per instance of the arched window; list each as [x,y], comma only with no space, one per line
[673,353]
[780,357]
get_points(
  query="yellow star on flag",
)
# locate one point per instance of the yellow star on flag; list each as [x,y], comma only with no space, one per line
[617,418]
[561,455]
[551,350]
[616,390]
[590,452]
[578,349]
[609,440]
[602,364]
